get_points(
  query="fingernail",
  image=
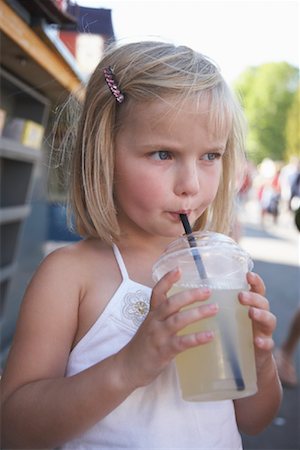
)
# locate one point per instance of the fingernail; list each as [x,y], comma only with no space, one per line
[252,276]
[209,334]
[205,290]
[245,295]
[214,307]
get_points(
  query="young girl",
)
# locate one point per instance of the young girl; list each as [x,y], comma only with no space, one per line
[91,366]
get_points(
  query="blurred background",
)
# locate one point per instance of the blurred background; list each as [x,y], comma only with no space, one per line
[48,50]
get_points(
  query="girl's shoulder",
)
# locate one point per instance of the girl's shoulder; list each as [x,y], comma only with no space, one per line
[87,275]
[65,281]
[73,265]
[62,260]
[76,254]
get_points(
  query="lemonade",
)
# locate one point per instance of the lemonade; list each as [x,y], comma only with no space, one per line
[207,372]
[225,367]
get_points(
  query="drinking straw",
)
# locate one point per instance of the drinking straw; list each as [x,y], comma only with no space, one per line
[235,367]
[192,242]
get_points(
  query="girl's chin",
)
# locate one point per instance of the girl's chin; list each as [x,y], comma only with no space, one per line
[175,232]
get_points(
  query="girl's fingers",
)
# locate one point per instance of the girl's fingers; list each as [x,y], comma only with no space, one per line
[255,300]
[256,283]
[162,287]
[265,319]
[264,343]
[179,320]
[165,305]
[192,340]
[176,302]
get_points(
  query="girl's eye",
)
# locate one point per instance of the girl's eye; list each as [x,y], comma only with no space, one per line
[211,156]
[161,155]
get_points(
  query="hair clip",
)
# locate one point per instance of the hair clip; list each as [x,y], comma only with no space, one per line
[112,84]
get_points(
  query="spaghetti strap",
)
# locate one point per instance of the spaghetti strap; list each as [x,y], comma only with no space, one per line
[120,262]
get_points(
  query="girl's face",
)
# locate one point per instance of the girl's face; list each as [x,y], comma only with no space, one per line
[167,162]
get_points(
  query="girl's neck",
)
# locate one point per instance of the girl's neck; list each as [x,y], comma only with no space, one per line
[152,246]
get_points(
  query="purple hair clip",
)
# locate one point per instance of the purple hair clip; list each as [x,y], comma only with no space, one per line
[112,84]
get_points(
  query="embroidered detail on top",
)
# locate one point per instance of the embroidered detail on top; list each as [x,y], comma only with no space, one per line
[136,306]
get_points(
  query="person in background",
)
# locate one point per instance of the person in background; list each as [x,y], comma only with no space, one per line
[287,178]
[294,202]
[285,354]
[92,362]
[269,197]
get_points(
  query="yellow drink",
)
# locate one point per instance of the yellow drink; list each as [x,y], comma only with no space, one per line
[210,371]
[225,367]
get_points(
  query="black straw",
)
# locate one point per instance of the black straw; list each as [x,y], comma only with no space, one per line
[238,377]
[235,367]
[192,242]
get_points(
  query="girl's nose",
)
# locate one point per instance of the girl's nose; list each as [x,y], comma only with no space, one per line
[187,180]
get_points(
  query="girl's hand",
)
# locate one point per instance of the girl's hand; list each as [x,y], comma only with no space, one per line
[156,342]
[255,412]
[264,322]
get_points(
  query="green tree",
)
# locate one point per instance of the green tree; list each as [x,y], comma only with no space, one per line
[293,128]
[267,92]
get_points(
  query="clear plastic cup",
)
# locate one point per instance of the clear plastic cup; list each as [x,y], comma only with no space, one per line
[225,367]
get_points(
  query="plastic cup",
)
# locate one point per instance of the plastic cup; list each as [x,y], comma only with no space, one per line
[225,367]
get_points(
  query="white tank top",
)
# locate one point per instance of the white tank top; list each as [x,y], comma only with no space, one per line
[155,416]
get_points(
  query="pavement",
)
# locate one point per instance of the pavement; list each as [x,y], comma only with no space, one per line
[275,251]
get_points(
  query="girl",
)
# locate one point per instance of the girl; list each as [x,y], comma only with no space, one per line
[91,366]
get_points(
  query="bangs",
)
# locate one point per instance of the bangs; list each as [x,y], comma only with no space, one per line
[221,112]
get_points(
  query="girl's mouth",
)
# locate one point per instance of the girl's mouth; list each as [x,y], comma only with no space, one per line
[176,215]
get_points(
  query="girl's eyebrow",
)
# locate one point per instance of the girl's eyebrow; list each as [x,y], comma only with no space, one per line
[218,148]
[174,145]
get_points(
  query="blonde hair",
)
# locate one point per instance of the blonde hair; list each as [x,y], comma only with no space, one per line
[146,71]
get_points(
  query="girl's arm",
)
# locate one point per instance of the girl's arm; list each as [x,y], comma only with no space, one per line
[41,407]
[254,413]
